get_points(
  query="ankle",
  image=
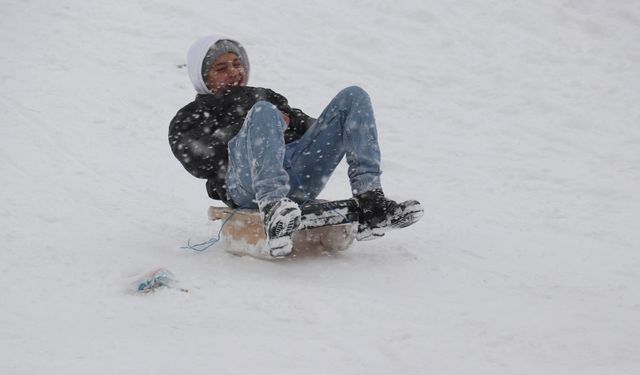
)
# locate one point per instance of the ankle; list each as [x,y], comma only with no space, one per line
[372,207]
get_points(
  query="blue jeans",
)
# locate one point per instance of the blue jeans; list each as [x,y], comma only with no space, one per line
[262,168]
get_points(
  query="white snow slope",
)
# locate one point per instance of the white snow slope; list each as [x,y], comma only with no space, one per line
[516,123]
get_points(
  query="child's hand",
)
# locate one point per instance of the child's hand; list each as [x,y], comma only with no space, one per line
[286,118]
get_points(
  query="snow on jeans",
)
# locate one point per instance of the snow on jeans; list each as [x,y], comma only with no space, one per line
[263,169]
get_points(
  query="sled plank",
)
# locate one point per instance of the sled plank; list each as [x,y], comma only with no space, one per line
[323,228]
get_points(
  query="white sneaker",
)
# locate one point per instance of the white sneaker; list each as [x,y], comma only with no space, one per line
[281,218]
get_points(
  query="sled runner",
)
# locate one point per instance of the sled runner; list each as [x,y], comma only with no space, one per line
[325,227]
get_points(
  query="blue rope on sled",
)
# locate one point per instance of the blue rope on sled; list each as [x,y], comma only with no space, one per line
[211,241]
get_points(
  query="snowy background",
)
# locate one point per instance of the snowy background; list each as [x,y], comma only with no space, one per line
[516,123]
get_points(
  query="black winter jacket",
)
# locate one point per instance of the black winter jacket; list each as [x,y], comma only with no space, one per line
[200,131]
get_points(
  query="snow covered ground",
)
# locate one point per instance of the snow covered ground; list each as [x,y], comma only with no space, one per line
[516,123]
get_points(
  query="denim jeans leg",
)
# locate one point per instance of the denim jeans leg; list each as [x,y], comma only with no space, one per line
[256,156]
[346,126]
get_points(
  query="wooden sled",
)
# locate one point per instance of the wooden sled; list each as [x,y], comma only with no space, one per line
[325,227]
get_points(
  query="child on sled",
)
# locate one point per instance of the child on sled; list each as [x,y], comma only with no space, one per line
[255,151]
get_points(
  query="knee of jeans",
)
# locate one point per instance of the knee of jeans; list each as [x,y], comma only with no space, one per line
[263,107]
[354,91]
[262,111]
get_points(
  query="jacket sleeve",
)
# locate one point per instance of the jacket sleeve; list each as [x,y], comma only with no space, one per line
[193,142]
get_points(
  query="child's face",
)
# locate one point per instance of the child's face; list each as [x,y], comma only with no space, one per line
[226,71]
